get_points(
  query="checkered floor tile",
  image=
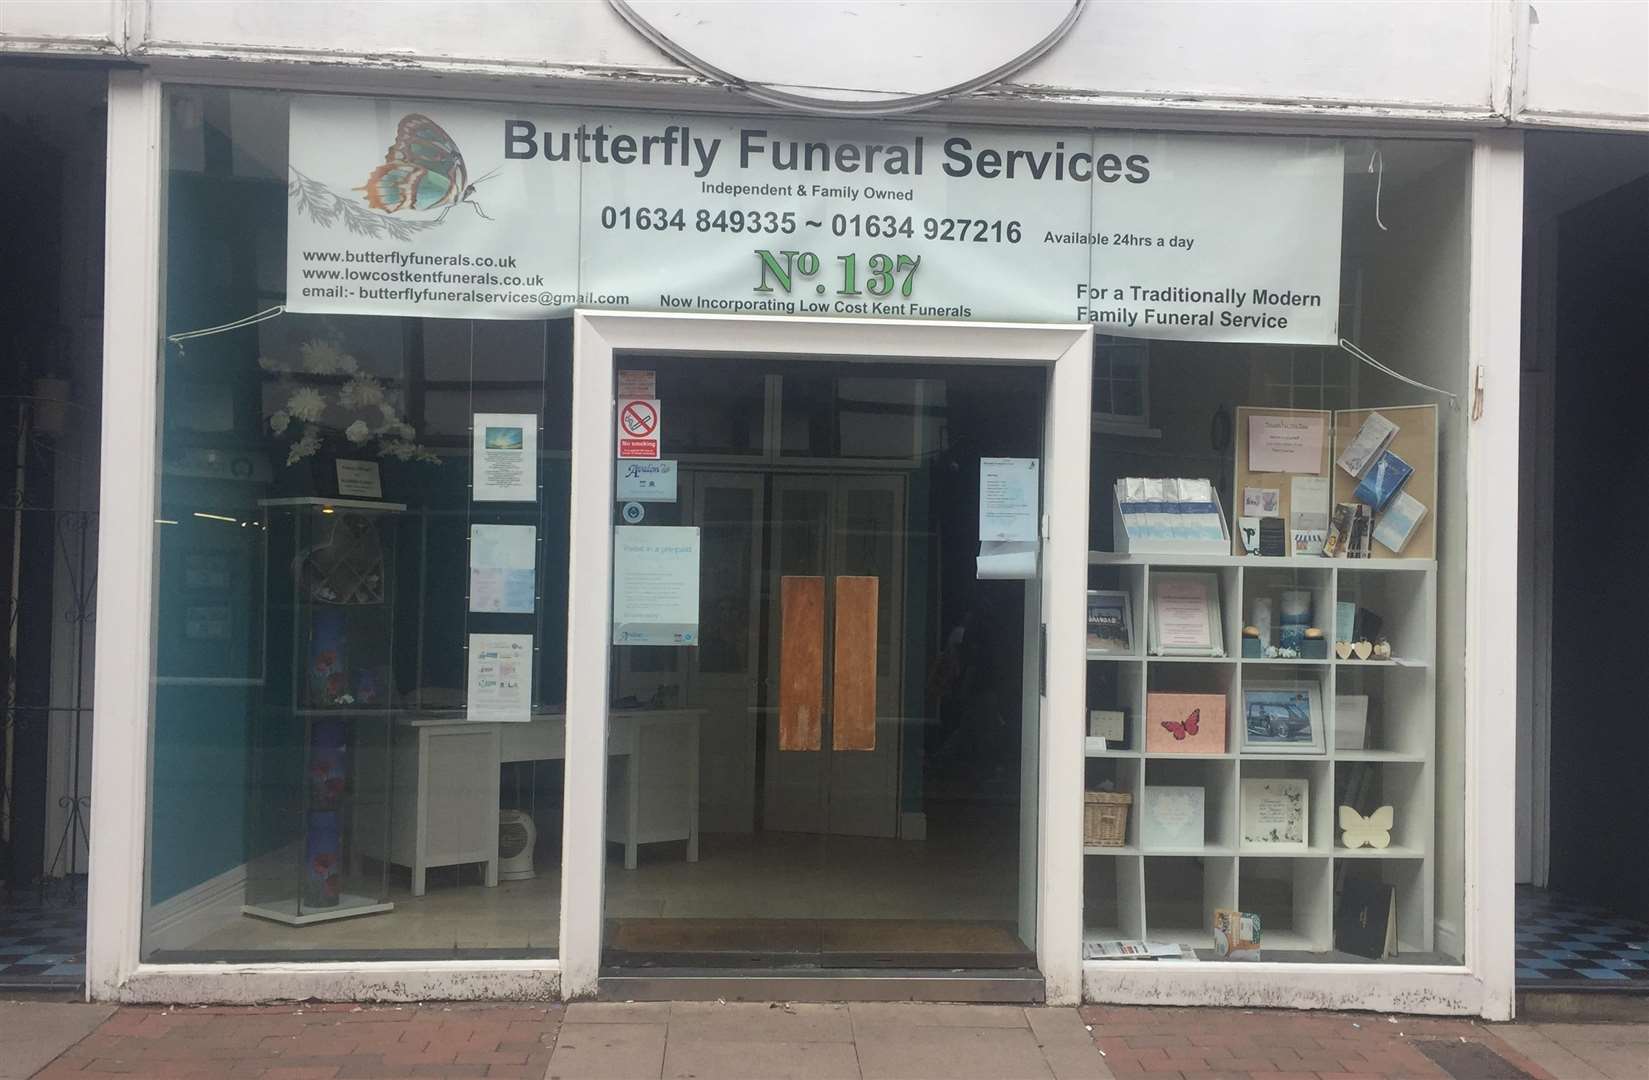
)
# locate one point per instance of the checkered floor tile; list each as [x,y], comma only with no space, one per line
[42,945]
[1563,943]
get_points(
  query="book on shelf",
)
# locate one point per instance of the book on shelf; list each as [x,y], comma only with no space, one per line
[1365,920]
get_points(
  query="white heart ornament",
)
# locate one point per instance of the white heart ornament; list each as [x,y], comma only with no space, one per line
[1362,649]
[1342,649]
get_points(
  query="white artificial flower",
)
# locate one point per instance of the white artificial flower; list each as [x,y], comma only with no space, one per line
[280,421]
[270,365]
[399,449]
[320,357]
[362,392]
[306,403]
[347,364]
[305,446]
[388,411]
[357,432]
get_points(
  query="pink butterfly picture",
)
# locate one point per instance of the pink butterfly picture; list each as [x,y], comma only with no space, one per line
[1179,729]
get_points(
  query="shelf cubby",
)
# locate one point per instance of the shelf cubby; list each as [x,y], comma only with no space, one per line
[1171,895]
[1216,777]
[1181,894]
[1287,896]
[1113,898]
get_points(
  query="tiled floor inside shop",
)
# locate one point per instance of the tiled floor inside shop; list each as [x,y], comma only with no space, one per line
[1564,943]
[43,939]
[764,876]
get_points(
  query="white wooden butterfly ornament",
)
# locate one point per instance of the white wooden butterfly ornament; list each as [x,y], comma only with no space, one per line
[1372,831]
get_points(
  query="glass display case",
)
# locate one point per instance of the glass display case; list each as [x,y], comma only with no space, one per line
[330,702]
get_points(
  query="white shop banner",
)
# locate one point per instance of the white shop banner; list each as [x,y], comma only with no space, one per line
[514,211]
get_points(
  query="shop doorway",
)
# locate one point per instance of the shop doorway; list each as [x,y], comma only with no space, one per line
[52,115]
[798,888]
[1583,886]
[849,814]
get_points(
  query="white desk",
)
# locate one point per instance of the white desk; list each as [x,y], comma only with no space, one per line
[444,789]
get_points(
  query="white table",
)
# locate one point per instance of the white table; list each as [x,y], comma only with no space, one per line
[444,793]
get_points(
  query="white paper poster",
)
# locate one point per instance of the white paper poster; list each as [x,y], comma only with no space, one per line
[522,211]
[502,561]
[637,384]
[500,678]
[646,481]
[655,585]
[1285,443]
[505,466]
[1008,499]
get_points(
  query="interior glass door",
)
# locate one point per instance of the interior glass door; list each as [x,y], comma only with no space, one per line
[858,694]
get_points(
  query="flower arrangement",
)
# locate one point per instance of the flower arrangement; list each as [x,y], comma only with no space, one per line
[327,392]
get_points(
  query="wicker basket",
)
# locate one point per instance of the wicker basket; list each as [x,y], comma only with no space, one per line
[1105,818]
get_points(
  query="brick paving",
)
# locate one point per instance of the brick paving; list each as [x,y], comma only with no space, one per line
[317,1042]
[711,1041]
[1275,1044]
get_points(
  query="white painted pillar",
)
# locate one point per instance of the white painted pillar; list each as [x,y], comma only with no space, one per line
[123,688]
[1065,614]
[1494,346]
[589,592]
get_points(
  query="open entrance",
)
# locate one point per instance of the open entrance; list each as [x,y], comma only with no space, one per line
[837,767]
[52,115]
[1583,886]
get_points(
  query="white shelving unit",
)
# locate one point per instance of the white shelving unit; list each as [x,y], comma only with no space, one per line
[1134,892]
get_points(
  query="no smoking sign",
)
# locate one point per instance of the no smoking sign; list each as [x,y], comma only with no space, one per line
[638,428]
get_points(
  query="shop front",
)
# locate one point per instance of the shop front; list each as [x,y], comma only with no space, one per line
[618,541]
[658,554]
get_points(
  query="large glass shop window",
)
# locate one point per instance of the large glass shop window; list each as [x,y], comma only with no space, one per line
[1274,746]
[323,786]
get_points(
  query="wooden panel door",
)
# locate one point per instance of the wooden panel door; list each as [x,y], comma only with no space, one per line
[831,527]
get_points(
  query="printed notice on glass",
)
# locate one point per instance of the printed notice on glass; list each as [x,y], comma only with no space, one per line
[505,465]
[646,481]
[655,585]
[1285,443]
[502,560]
[1008,499]
[500,678]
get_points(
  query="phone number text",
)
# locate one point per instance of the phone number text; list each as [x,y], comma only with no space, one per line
[786,222]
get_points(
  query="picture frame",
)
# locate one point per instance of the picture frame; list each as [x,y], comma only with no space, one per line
[1276,813]
[1185,615]
[1110,622]
[1283,717]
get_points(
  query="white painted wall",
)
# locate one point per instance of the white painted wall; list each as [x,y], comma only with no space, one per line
[1576,63]
[1588,64]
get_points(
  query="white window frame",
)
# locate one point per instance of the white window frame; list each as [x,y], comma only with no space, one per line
[1067,350]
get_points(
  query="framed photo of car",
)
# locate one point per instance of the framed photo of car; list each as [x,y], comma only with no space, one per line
[1110,623]
[1282,717]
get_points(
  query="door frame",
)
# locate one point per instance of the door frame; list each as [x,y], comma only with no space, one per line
[1066,350]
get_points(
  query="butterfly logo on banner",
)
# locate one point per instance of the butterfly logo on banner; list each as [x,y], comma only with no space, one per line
[422,170]
[1372,831]
[1181,728]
